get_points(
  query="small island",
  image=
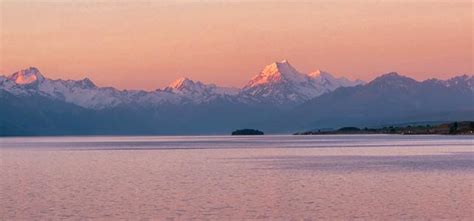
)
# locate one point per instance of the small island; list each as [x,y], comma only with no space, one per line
[453,128]
[247,132]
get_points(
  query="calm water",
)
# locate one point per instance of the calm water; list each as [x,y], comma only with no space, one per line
[377,177]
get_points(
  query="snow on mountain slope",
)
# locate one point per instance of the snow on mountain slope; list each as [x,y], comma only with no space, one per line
[275,73]
[26,76]
[83,92]
[326,80]
[281,83]
[86,94]
[198,91]
[465,81]
[278,84]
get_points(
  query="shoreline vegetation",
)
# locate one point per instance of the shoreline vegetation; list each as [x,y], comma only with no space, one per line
[247,132]
[453,128]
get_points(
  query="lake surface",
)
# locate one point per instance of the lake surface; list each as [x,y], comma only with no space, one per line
[375,177]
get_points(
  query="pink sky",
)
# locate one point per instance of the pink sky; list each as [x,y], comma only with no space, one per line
[148,44]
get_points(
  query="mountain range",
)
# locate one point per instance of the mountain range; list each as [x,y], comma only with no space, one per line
[278,99]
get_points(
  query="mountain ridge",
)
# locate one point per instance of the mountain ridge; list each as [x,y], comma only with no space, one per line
[278,80]
[388,98]
[285,103]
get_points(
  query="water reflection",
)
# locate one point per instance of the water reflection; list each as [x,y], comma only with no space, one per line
[452,161]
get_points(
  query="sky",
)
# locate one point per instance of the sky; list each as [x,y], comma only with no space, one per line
[147,44]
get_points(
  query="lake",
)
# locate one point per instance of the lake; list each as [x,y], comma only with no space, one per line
[375,177]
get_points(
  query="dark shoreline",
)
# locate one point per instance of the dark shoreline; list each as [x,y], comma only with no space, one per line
[453,128]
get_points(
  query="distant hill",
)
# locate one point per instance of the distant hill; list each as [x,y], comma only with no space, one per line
[389,99]
[453,128]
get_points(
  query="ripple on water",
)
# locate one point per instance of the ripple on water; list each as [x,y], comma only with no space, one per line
[269,177]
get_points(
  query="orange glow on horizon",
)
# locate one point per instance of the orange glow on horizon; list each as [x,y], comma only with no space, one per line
[147,45]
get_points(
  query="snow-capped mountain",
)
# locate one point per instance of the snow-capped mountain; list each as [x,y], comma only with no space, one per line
[281,83]
[86,94]
[83,93]
[327,81]
[278,83]
[27,76]
[198,91]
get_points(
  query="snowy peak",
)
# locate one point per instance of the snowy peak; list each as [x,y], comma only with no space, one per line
[186,85]
[326,79]
[276,72]
[282,68]
[83,92]
[27,76]
[181,83]
[197,90]
[281,83]
[85,83]
[320,73]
